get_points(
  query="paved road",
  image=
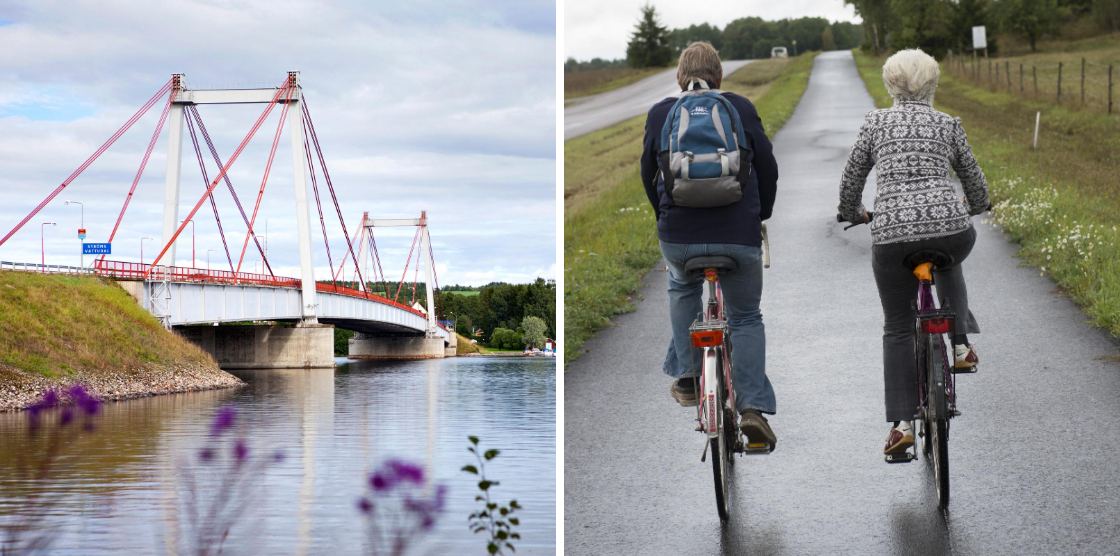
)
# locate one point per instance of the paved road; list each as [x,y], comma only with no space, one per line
[594,112]
[1033,457]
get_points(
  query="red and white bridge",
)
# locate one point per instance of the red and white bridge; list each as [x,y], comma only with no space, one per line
[187,296]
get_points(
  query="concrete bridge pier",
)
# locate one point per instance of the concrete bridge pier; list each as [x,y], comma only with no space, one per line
[365,346]
[303,346]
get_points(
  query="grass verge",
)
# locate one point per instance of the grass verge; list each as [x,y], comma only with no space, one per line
[610,237]
[58,325]
[584,83]
[1061,203]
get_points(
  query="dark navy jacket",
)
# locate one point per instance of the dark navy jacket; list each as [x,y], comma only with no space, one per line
[739,222]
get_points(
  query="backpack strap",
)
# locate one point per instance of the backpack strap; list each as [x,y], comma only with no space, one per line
[696,80]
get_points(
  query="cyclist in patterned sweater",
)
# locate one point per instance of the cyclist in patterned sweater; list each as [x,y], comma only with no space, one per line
[913,147]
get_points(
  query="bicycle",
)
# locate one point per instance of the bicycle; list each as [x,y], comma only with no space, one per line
[716,412]
[937,387]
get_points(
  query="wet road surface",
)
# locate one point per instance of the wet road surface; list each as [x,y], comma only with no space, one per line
[594,112]
[1033,457]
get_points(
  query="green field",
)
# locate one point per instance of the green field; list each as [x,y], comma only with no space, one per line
[609,229]
[583,83]
[1061,203]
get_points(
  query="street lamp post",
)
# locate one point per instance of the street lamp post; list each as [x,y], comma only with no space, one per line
[142,250]
[795,48]
[208,259]
[43,245]
[82,230]
[192,243]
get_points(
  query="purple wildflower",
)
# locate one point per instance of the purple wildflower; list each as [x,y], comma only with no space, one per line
[240,451]
[83,399]
[67,415]
[206,454]
[278,456]
[365,506]
[223,420]
[379,482]
[407,471]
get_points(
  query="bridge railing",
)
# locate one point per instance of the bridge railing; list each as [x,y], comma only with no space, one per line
[122,269]
[44,268]
[331,288]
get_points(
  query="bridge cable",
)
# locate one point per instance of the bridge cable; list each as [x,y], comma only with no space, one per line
[377,257]
[225,169]
[341,268]
[128,124]
[438,303]
[205,182]
[405,273]
[330,186]
[315,188]
[229,184]
[143,164]
[267,170]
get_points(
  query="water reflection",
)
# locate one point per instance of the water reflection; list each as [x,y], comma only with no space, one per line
[117,487]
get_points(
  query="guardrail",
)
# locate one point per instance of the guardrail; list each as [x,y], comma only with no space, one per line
[45,269]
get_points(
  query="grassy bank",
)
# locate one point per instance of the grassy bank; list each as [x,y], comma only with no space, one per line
[464,346]
[1061,203]
[57,325]
[583,83]
[609,230]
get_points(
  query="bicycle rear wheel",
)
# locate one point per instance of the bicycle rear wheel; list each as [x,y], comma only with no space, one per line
[937,433]
[721,443]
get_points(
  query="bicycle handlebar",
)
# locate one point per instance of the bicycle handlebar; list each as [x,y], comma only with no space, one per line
[840,218]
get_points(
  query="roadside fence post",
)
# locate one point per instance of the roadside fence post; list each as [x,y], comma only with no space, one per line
[1007,71]
[989,68]
[1020,78]
[997,75]
[1037,116]
[1059,101]
[1110,88]
[1082,81]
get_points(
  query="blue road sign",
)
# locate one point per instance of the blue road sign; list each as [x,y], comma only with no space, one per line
[97,248]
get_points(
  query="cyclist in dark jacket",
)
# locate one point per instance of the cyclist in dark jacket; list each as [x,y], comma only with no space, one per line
[733,230]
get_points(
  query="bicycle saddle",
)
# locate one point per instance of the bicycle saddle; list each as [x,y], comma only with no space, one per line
[940,259]
[722,263]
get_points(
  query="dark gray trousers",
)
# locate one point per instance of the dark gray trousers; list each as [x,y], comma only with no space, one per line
[898,288]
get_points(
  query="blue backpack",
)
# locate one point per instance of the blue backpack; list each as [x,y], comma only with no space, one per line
[704,159]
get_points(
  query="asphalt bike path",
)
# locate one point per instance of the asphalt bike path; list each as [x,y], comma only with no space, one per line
[1032,458]
[594,112]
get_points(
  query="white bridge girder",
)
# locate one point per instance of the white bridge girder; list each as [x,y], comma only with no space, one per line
[185,303]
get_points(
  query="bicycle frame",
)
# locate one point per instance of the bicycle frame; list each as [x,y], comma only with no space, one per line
[715,359]
[933,320]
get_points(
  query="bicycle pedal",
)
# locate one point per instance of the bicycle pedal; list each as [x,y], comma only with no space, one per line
[954,412]
[905,457]
[965,370]
[756,448]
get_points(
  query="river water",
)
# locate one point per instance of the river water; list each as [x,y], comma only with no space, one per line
[125,487]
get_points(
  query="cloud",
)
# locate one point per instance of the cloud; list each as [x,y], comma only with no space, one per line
[443,107]
[601,29]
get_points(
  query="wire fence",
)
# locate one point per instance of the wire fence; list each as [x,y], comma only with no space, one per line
[1078,83]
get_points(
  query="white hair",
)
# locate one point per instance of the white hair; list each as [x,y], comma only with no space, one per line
[911,75]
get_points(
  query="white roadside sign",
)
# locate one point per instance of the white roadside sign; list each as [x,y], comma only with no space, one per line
[979,37]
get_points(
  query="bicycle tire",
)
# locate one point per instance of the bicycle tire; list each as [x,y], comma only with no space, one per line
[923,374]
[720,446]
[939,421]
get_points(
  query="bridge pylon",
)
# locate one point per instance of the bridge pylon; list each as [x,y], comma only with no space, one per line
[184,96]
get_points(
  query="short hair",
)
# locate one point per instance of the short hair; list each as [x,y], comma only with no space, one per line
[699,61]
[911,75]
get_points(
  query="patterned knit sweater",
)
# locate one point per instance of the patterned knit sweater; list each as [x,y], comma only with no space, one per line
[913,147]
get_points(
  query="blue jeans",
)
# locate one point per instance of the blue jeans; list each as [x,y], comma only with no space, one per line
[742,292]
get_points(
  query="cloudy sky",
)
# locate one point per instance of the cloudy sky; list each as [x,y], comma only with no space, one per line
[447,107]
[593,28]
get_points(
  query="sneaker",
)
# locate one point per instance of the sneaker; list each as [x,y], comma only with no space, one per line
[966,357]
[900,439]
[756,428]
[684,391]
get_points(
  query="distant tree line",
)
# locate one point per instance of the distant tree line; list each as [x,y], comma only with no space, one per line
[937,26]
[654,45]
[501,305]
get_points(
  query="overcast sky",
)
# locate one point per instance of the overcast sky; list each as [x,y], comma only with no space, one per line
[447,107]
[593,28]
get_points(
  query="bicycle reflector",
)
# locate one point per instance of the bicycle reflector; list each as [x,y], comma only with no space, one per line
[707,338]
[935,325]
